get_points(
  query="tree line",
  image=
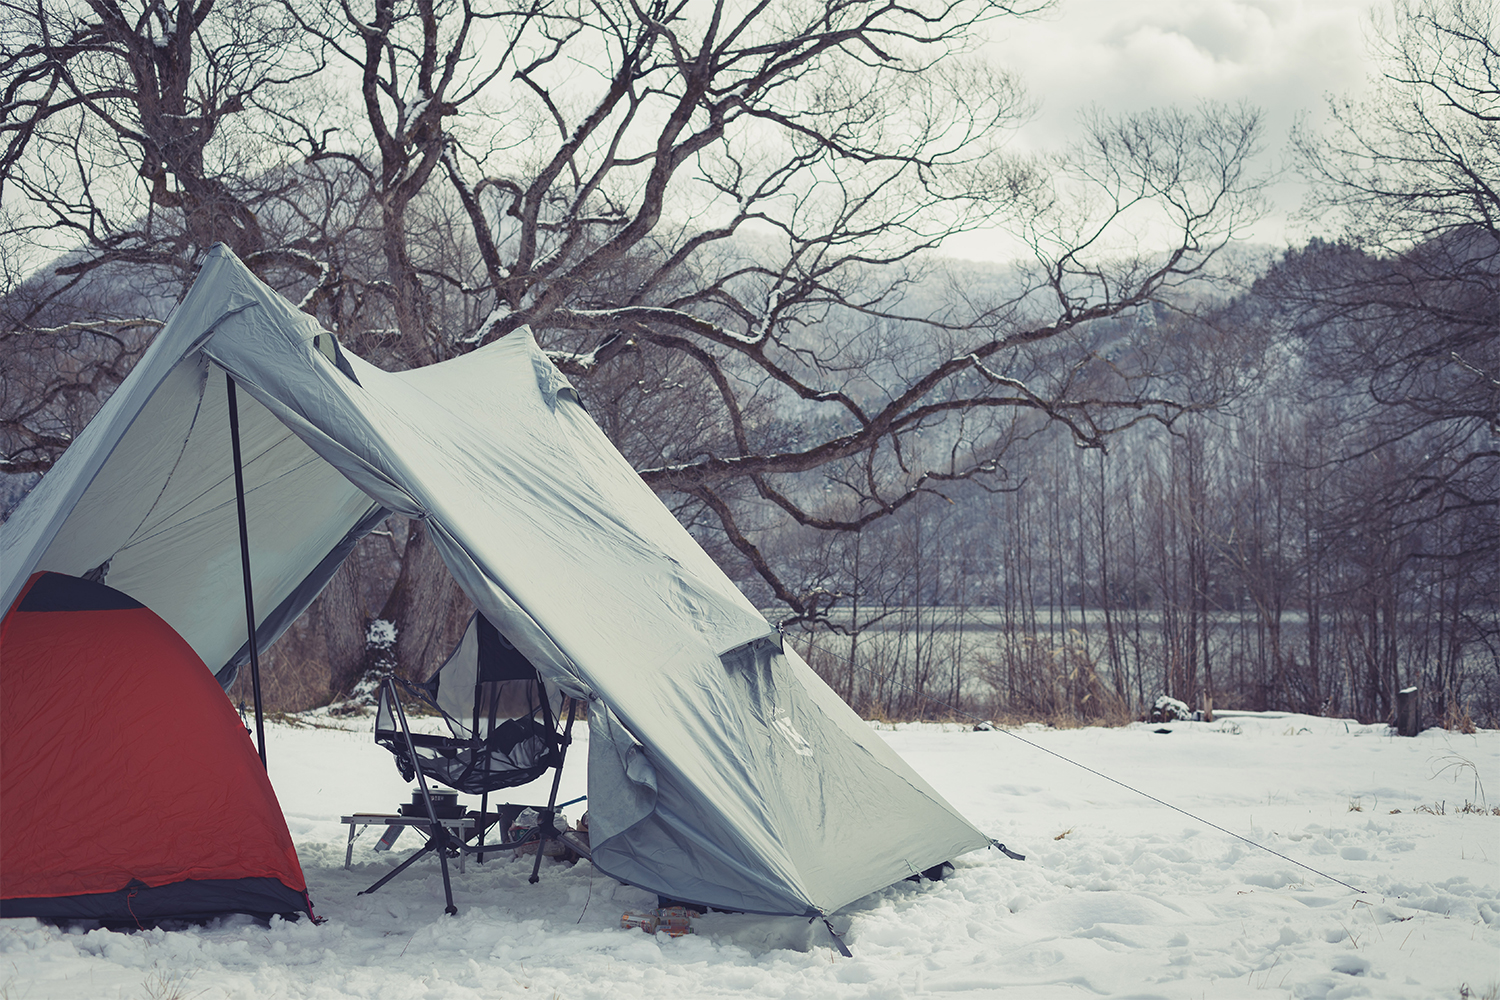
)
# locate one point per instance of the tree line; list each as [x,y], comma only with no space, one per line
[1295,552]
[720,221]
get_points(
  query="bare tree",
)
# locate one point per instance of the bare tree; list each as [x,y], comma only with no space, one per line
[1410,309]
[748,193]
[1417,159]
[718,215]
[123,135]
[1399,324]
[122,145]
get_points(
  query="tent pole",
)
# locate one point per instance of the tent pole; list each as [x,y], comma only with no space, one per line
[483,746]
[239,499]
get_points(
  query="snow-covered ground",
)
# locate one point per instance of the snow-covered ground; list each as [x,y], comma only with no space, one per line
[1118,896]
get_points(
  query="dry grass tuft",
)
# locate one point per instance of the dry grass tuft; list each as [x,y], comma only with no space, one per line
[163,985]
[1456,719]
[1058,683]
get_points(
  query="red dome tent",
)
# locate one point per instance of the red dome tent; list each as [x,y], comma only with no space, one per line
[131,791]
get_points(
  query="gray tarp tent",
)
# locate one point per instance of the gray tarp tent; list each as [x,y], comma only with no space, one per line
[721,771]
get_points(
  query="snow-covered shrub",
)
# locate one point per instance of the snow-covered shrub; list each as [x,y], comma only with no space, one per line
[1169,709]
[381,635]
[380,663]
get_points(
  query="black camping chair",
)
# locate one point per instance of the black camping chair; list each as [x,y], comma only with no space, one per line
[503,732]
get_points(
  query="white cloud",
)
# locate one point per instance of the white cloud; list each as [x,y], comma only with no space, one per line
[1283,56]
[1134,54]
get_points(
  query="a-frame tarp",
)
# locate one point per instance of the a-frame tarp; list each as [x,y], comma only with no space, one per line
[721,769]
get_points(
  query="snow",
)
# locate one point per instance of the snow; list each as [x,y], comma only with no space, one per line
[1118,896]
[497,316]
[381,634]
[1170,708]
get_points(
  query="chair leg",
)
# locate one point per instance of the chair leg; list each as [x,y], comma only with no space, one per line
[431,845]
[547,827]
[484,804]
[439,832]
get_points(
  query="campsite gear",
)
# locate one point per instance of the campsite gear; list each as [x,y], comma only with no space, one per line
[526,835]
[501,720]
[523,824]
[459,827]
[635,918]
[502,732]
[671,920]
[438,839]
[444,803]
[722,770]
[184,825]
[674,920]
[568,843]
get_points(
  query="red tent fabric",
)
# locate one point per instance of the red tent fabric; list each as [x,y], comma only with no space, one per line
[129,788]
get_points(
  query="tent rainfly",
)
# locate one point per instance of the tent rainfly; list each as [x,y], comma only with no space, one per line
[721,770]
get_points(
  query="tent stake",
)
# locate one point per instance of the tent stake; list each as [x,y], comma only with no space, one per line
[239,499]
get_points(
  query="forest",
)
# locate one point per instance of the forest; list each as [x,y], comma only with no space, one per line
[1144,458]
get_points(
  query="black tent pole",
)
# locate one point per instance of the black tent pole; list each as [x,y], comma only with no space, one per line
[239,499]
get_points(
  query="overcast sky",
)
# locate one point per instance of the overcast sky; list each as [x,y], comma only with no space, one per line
[1283,56]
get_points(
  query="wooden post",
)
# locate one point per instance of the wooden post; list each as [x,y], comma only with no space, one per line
[1408,712]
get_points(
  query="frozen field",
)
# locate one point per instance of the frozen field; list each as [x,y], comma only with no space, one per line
[1118,896]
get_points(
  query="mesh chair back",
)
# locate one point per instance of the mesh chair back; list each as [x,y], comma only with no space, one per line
[502,725]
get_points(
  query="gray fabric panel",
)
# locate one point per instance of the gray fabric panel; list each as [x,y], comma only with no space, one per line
[148,487]
[622,780]
[289,610]
[179,553]
[771,798]
[455,694]
[32,528]
[647,833]
[507,698]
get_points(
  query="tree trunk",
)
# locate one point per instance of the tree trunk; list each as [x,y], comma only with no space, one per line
[426,606]
[339,615]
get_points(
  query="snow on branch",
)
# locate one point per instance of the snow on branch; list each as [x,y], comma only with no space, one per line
[625,316]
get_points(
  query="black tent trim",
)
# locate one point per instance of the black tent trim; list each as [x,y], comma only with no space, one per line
[139,905]
[55,592]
